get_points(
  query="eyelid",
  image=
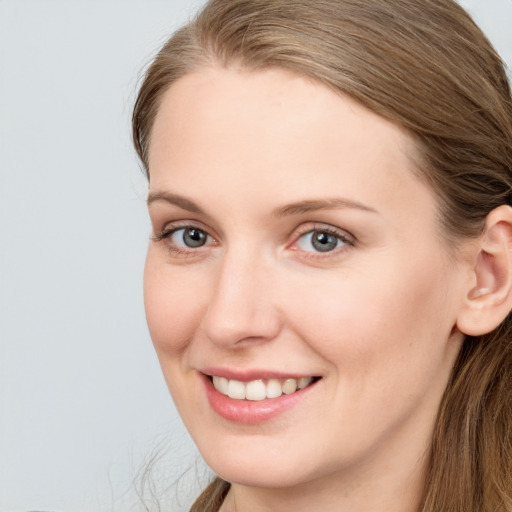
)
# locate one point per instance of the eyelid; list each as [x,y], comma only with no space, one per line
[170,227]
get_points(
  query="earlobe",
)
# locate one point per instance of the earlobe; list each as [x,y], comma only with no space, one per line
[489,299]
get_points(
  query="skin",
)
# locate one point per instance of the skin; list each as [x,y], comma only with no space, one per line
[375,317]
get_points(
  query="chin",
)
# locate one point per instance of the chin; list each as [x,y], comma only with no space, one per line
[258,462]
[252,473]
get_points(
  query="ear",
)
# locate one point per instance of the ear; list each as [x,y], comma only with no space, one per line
[489,297]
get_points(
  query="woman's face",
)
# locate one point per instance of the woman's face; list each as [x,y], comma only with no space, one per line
[294,245]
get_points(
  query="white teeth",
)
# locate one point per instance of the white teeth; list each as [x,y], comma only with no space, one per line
[289,386]
[221,383]
[274,388]
[236,389]
[304,381]
[257,389]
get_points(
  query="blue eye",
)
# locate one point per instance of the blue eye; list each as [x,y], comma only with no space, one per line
[320,241]
[190,238]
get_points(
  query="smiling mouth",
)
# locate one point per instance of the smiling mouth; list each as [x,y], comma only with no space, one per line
[260,389]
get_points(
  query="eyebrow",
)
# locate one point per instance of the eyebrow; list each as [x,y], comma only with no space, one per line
[177,200]
[300,207]
[313,205]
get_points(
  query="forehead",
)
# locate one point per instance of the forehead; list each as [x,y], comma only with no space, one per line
[282,102]
[231,128]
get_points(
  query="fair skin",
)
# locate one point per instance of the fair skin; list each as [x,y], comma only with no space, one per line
[292,240]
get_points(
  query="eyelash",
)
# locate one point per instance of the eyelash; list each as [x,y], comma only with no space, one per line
[345,238]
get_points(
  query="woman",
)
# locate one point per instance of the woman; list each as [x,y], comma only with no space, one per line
[328,283]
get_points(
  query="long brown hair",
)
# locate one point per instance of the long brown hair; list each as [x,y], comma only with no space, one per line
[425,65]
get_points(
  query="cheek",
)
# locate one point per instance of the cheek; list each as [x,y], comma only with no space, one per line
[174,302]
[387,361]
[395,319]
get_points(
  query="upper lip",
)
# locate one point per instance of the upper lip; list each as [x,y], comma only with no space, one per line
[247,375]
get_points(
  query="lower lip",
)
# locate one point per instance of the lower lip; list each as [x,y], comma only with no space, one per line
[251,412]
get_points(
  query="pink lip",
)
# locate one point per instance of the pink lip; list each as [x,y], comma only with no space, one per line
[251,412]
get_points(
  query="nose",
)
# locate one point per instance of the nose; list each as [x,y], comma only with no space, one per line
[241,308]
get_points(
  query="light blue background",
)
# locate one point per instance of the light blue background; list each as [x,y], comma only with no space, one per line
[82,401]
